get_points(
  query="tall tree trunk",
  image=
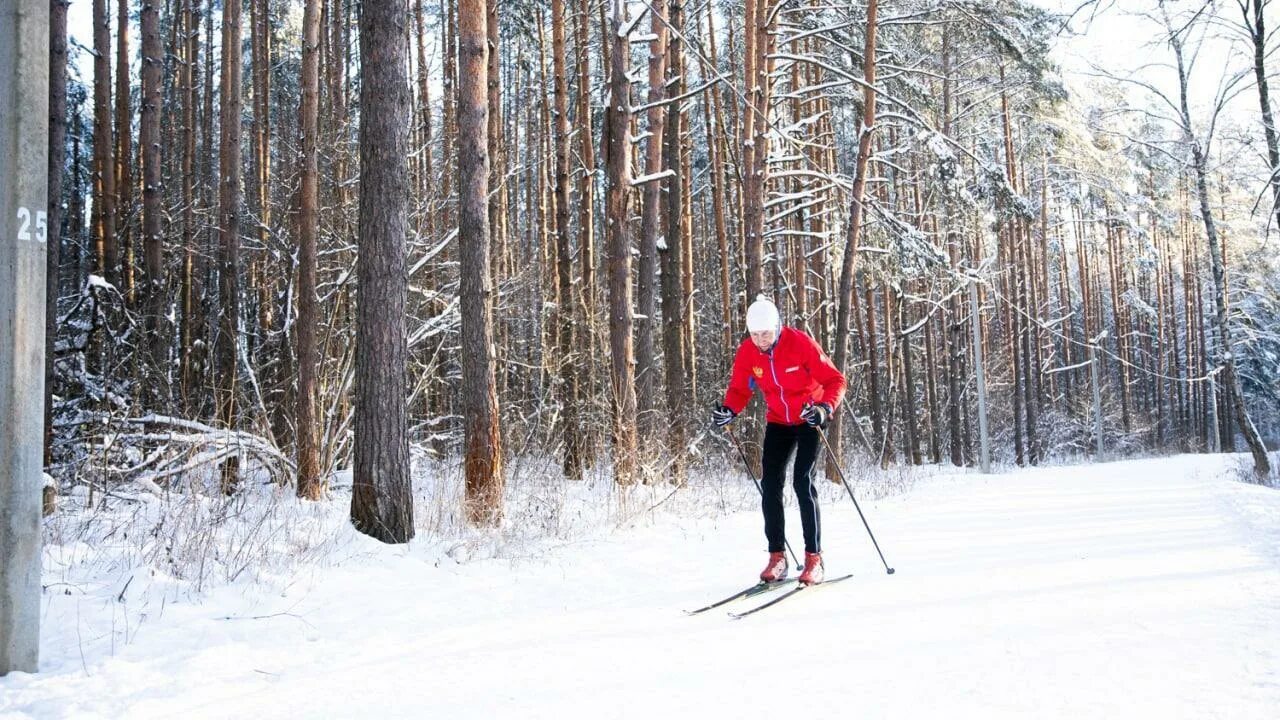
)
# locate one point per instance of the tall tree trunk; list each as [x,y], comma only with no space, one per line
[1177,368]
[152,197]
[1119,315]
[674,298]
[1030,368]
[647,372]
[1165,392]
[1258,35]
[856,209]
[755,140]
[715,135]
[1008,237]
[1226,407]
[229,231]
[931,369]
[1208,391]
[424,119]
[260,206]
[483,451]
[382,489]
[892,377]
[909,405]
[955,326]
[309,483]
[1230,380]
[75,205]
[1065,310]
[874,377]
[205,268]
[191,280]
[106,251]
[124,152]
[684,241]
[567,305]
[497,171]
[1041,270]
[335,74]
[618,146]
[57,157]
[448,112]
[586,192]
[588,339]
[175,52]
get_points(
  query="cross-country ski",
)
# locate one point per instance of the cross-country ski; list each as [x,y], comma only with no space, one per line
[759,588]
[788,594]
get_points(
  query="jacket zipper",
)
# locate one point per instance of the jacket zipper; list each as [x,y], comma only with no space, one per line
[781,396]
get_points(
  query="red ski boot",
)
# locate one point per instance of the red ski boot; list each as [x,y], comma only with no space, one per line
[776,570]
[812,574]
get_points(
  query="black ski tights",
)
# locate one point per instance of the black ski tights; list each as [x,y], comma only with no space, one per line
[779,441]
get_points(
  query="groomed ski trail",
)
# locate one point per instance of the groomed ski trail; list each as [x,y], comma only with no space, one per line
[1122,590]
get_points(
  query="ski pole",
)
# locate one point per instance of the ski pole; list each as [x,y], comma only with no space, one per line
[746,462]
[836,465]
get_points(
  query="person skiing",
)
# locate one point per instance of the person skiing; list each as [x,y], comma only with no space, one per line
[801,389]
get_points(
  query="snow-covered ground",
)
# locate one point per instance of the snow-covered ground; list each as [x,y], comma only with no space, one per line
[1123,590]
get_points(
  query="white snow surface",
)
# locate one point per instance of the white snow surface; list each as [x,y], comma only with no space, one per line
[1130,589]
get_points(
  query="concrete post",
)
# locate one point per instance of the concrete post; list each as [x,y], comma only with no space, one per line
[24,130]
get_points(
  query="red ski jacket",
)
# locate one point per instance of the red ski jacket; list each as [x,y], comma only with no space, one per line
[793,373]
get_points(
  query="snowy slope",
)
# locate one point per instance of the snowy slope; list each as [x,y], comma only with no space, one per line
[1132,589]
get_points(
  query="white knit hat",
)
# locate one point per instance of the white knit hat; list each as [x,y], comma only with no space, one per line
[763,315]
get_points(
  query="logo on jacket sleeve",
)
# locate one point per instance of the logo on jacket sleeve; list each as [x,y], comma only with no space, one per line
[759,371]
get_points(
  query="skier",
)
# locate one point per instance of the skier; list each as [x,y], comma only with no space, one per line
[801,389]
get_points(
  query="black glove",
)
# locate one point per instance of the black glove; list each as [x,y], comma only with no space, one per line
[816,414]
[722,416]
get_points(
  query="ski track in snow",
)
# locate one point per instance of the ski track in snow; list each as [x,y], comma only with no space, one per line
[1131,589]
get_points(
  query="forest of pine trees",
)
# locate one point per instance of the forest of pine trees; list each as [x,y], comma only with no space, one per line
[301,236]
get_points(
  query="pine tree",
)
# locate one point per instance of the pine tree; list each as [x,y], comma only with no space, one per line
[382,489]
